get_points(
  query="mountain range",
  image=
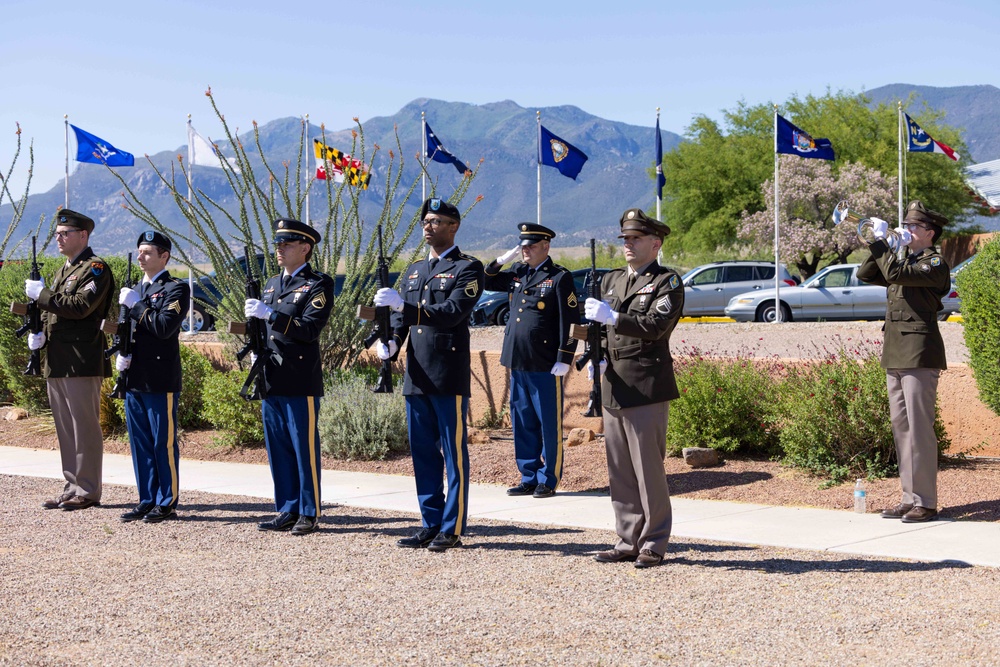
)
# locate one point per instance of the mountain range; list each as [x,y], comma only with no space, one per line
[502,134]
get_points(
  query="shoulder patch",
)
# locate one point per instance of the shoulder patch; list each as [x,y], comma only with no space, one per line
[935,261]
[674,281]
[97,268]
[472,289]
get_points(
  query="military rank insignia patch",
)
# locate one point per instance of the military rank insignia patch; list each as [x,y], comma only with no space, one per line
[663,305]
[571,300]
[472,289]
[90,287]
[97,268]
[175,306]
[319,300]
[674,282]
[935,261]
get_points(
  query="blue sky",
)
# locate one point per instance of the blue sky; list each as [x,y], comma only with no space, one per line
[131,72]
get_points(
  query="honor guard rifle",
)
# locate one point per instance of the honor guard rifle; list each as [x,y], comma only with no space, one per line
[122,331]
[255,330]
[32,317]
[382,331]
[590,333]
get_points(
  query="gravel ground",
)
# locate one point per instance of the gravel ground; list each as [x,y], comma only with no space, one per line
[82,588]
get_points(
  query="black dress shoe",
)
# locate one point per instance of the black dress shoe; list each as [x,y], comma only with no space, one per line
[77,503]
[160,513]
[897,512]
[141,510]
[648,558]
[420,540]
[282,522]
[542,491]
[613,556]
[919,514]
[444,541]
[305,525]
[522,489]
[54,503]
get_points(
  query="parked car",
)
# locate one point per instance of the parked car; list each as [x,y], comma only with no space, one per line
[494,307]
[951,303]
[835,293]
[709,287]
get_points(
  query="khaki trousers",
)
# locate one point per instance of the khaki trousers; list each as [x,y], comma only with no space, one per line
[76,409]
[636,442]
[912,399]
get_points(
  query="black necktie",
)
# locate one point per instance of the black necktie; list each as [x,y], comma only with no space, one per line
[284,281]
[431,263]
[630,282]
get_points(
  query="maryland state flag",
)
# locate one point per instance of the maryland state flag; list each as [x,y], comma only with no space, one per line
[332,163]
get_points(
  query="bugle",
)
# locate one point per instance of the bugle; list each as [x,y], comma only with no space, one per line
[865,231]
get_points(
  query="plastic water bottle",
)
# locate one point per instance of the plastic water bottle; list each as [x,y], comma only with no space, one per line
[860,497]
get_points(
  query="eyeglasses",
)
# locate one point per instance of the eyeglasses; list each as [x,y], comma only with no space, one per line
[912,226]
[62,235]
[433,222]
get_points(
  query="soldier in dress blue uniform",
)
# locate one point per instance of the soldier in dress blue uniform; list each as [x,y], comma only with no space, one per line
[296,306]
[439,294]
[538,350]
[641,304]
[158,304]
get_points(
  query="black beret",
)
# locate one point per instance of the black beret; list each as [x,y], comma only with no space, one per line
[917,212]
[532,233]
[635,220]
[151,237]
[68,218]
[286,229]
[441,207]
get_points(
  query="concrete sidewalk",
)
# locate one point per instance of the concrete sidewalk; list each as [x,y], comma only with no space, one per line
[975,543]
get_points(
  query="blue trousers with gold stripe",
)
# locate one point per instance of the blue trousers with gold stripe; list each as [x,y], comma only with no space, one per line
[291,435]
[536,409]
[151,419]
[438,440]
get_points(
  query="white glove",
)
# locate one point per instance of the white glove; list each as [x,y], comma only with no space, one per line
[509,255]
[598,311]
[128,297]
[560,369]
[36,341]
[386,352]
[122,363]
[879,228]
[590,368]
[389,297]
[905,237]
[257,308]
[253,358]
[33,288]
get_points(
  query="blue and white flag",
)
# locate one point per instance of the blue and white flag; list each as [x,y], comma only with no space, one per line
[554,152]
[793,141]
[437,152]
[90,148]
[921,142]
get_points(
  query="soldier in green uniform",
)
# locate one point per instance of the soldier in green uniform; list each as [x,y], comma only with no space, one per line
[74,367]
[640,305]
[913,352]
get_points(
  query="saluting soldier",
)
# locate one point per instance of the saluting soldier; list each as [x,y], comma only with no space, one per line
[74,367]
[538,350]
[439,294]
[158,305]
[640,305]
[913,353]
[296,305]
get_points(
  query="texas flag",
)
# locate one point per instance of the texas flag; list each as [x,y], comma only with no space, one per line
[921,142]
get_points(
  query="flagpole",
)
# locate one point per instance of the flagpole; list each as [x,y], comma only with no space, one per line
[66,181]
[423,155]
[899,137]
[659,200]
[308,180]
[538,118]
[190,168]
[777,272]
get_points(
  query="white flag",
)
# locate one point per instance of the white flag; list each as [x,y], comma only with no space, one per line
[203,153]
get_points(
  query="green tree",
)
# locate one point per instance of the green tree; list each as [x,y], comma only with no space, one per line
[716,175]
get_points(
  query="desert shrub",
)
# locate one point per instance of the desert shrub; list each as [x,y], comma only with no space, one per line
[835,419]
[112,410]
[238,422]
[195,368]
[979,287]
[725,405]
[355,423]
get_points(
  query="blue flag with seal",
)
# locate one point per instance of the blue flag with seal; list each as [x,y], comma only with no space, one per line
[90,148]
[554,152]
[661,180]
[793,141]
[439,153]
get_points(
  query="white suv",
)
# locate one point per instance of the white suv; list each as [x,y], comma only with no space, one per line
[709,287]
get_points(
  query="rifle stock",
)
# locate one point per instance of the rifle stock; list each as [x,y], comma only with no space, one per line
[590,333]
[382,331]
[256,332]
